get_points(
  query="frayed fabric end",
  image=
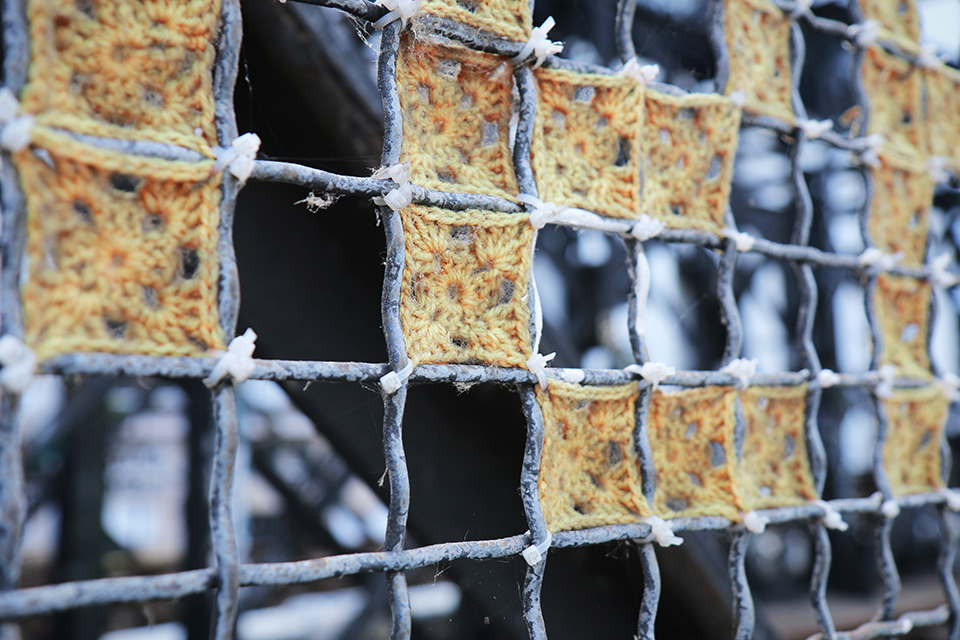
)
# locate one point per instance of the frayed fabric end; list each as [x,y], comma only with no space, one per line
[743,370]
[754,522]
[539,46]
[239,158]
[647,228]
[403,10]
[237,360]
[534,553]
[644,74]
[19,364]
[652,372]
[832,519]
[537,364]
[392,382]
[662,532]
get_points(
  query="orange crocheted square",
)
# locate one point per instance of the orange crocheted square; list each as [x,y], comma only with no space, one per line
[456,107]
[130,70]
[912,453]
[119,262]
[758,39]
[586,145]
[506,18]
[774,467]
[943,114]
[902,306]
[898,17]
[894,102]
[900,209]
[464,296]
[692,436]
[690,145]
[590,469]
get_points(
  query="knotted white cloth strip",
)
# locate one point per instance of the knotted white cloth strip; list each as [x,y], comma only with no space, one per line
[661,530]
[402,10]
[19,364]
[647,228]
[534,553]
[14,128]
[744,241]
[237,360]
[888,375]
[832,519]
[754,522]
[392,382]
[543,212]
[813,129]
[939,274]
[537,364]
[643,74]
[890,509]
[652,372]
[538,45]
[949,384]
[952,499]
[828,378]
[874,257]
[402,195]
[743,370]
[239,157]
[864,34]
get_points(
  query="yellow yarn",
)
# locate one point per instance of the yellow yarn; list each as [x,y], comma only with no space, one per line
[456,118]
[130,70]
[688,165]
[587,141]
[900,209]
[464,297]
[692,437]
[757,35]
[590,470]
[774,466]
[895,102]
[943,113]
[903,311]
[912,456]
[507,18]
[899,18]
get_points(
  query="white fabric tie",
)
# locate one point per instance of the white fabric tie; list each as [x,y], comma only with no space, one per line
[743,370]
[832,519]
[661,530]
[402,10]
[537,364]
[237,360]
[19,364]
[643,74]
[813,129]
[828,378]
[754,522]
[939,273]
[15,132]
[538,45]
[647,228]
[543,212]
[743,240]
[652,372]
[888,375]
[239,157]
[392,382]
[864,34]
[534,553]
[890,509]
[874,257]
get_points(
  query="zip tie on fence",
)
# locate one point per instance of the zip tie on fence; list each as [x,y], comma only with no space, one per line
[936,166]
[937,271]
[800,7]
[828,378]
[647,228]
[652,372]
[743,240]
[643,74]
[865,33]
[754,522]
[742,369]
[661,530]
[538,45]
[951,498]
[870,148]
[537,364]
[239,157]
[949,385]
[832,519]
[237,360]
[888,375]
[543,212]
[392,382]
[738,97]
[534,553]
[19,364]
[874,257]
[890,509]
[402,10]
[928,58]
[15,132]
[813,129]
[401,196]
[572,376]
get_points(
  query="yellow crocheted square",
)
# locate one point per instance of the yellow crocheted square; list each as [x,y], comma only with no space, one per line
[899,18]
[692,436]
[130,70]
[900,209]
[774,467]
[690,145]
[912,455]
[119,262]
[902,306]
[586,145]
[590,469]
[757,35]
[456,107]
[943,114]
[506,18]
[464,296]
[894,102]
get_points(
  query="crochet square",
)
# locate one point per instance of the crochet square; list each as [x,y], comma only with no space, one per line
[898,17]
[758,39]
[506,18]
[590,469]
[457,106]
[774,467]
[894,102]
[943,114]
[902,307]
[912,454]
[900,209]
[140,70]
[690,145]
[586,146]
[119,262]
[465,283]
[692,436]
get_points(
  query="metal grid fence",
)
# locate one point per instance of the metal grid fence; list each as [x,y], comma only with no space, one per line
[229,575]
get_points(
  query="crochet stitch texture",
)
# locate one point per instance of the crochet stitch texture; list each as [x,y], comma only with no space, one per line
[911,453]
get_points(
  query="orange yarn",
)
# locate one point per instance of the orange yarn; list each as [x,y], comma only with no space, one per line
[903,312]
[900,209]
[912,454]
[895,102]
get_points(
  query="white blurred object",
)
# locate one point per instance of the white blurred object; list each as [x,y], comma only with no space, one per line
[851,329]
[858,432]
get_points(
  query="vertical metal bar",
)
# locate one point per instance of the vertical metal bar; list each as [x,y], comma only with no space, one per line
[639,270]
[526,121]
[946,561]
[399,509]
[743,610]
[651,592]
[12,502]
[729,313]
[822,558]
[530,496]
[626,9]
[221,510]
[887,567]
